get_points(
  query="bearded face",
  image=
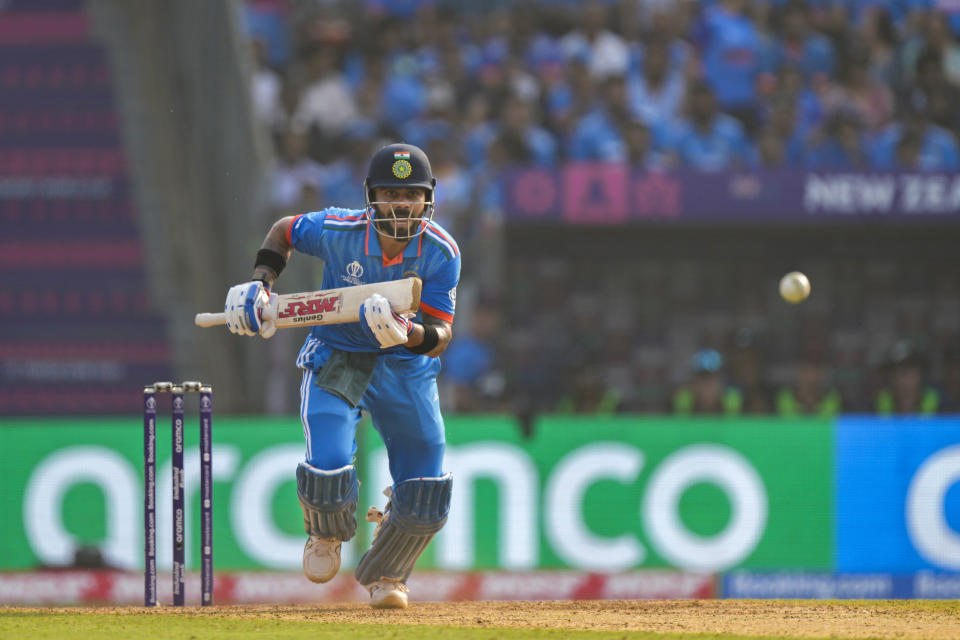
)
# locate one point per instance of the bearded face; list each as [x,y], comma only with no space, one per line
[399,211]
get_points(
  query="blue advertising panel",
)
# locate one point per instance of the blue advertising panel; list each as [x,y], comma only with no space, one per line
[825,585]
[898,494]
[817,585]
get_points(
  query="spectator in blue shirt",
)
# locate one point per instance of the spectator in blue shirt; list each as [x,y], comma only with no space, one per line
[915,143]
[640,150]
[841,144]
[599,134]
[436,123]
[783,122]
[268,24]
[343,178]
[455,200]
[731,58]
[710,140]
[569,98]
[477,129]
[792,87]
[799,46]
[404,95]
[525,142]
[475,376]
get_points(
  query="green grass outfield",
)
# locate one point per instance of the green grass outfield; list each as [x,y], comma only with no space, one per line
[107,627]
[63,625]
[686,620]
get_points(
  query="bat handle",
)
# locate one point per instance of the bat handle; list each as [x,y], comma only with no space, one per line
[209,319]
[216,319]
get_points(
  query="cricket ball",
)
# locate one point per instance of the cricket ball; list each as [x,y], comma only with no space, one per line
[794,287]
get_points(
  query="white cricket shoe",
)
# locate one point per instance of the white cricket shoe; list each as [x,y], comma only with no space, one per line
[388,594]
[321,559]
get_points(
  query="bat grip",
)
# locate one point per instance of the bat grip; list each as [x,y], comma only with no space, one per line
[216,319]
[209,319]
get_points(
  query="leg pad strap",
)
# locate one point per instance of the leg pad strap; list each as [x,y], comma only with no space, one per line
[418,510]
[328,500]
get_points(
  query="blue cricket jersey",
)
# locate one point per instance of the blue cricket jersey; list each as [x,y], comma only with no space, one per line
[350,247]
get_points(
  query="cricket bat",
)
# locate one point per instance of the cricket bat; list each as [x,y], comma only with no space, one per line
[330,306]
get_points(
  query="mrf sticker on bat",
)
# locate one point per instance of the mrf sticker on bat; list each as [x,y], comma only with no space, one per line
[311,307]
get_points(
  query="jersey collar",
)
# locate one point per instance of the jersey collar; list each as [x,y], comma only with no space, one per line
[373,248]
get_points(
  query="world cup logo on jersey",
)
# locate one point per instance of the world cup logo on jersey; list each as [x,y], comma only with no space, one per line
[354,273]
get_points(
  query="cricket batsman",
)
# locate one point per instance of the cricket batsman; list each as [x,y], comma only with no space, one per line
[385,364]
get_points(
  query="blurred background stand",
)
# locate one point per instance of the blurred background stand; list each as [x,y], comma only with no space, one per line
[198,165]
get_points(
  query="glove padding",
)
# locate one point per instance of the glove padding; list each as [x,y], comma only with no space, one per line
[244,309]
[382,324]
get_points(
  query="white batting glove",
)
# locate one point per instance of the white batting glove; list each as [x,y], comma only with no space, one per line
[268,315]
[382,324]
[244,309]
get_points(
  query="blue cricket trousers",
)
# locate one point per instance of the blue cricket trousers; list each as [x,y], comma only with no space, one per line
[404,405]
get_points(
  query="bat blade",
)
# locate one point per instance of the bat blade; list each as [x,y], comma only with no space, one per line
[330,306]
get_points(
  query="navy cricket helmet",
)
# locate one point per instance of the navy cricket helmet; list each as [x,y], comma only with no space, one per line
[399,166]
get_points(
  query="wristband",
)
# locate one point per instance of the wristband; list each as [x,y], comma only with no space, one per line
[430,340]
[270,259]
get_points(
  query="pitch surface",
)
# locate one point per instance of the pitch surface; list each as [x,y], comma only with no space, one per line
[508,620]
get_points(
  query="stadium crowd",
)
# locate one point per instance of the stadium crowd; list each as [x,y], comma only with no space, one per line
[710,85]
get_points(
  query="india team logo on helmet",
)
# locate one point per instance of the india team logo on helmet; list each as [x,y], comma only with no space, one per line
[402,166]
[402,169]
